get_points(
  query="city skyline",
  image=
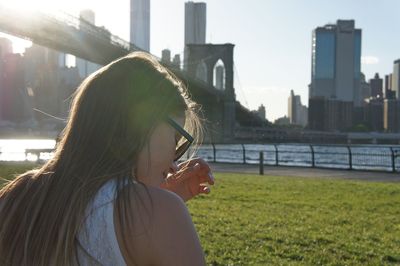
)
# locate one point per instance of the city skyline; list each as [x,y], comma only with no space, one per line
[273,57]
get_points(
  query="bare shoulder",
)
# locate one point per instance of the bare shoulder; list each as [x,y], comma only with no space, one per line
[155,202]
[156,209]
[171,238]
[175,239]
[166,201]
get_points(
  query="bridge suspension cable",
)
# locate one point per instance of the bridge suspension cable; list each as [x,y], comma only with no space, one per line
[240,86]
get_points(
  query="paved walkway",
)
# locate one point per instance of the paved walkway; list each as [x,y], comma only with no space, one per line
[307,172]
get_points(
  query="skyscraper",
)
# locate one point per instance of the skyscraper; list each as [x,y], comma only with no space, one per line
[297,112]
[166,56]
[388,92]
[376,86]
[336,62]
[195,25]
[365,88]
[176,62]
[85,67]
[261,112]
[396,78]
[391,115]
[5,46]
[14,99]
[335,76]
[140,24]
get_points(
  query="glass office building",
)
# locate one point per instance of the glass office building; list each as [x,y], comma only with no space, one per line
[336,62]
[335,87]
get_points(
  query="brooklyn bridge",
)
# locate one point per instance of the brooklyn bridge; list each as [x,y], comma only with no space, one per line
[76,36]
[227,119]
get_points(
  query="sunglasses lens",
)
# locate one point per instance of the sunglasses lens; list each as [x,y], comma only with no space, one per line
[180,151]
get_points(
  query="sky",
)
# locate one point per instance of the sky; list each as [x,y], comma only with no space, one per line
[272,38]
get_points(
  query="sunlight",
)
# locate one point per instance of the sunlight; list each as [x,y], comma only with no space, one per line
[29,6]
[14,149]
[51,6]
[47,6]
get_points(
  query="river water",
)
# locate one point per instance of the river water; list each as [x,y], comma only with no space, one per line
[363,157]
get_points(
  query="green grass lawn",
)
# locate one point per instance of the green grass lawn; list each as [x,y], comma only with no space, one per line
[266,220]
[9,170]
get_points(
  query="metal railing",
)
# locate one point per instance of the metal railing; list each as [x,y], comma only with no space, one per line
[351,157]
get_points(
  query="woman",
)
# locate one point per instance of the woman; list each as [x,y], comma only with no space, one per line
[105,198]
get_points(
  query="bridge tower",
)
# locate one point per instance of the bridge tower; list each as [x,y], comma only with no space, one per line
[213,64]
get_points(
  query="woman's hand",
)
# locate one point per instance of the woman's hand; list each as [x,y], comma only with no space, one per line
[191,178]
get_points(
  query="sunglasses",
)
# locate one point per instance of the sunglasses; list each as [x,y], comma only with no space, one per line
[182,148]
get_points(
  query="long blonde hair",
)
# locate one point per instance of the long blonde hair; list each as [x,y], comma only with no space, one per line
[112,116]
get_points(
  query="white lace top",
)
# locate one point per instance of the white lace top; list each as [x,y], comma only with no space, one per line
[97,241]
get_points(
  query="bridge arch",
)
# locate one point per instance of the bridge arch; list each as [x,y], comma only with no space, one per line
[218,60]
[219,75]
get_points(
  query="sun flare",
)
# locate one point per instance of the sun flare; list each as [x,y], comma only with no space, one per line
[47,6]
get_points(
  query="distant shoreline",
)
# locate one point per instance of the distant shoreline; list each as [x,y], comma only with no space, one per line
[24,135]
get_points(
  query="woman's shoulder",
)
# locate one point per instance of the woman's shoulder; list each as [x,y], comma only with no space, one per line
[154,205]
[151,209]
[166,199]
[172,238]
[156,198]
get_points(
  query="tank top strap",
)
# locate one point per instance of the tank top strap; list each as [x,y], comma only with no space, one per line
[97,240]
